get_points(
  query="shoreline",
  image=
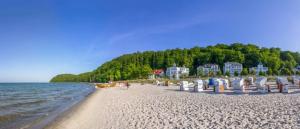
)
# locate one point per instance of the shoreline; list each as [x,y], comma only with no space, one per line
[60,112]
[65,114]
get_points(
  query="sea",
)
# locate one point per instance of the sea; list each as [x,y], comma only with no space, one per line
[34,105]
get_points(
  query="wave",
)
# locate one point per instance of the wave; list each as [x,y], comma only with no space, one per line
[21,104]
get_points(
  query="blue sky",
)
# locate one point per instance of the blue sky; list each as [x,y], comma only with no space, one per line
[42,38]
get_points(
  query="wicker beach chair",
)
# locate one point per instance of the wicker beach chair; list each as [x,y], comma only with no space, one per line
[296,80]
[184,86]
[198,85]
[261,84]
[250,80]
[225,83]
[218,86]
[238,85]
[283,84]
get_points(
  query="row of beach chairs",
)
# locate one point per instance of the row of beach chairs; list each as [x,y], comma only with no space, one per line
[238,84]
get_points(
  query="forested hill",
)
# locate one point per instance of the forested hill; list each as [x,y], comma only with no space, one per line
[140,64]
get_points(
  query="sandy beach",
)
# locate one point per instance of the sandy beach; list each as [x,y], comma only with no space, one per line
[149,106]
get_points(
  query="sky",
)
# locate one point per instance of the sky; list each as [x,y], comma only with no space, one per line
[42,38]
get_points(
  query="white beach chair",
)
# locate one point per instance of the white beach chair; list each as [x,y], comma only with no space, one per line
[198,86]
[184,86]
[231,81]
[251,80]
[218,85]
[261,84]
[225,84]
[296,80]
[238,85]
[285,89]
[158,83]
[283,84]
[205,84]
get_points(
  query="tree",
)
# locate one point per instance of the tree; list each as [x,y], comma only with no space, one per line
[65,78]
[138,64]
[261,73]
[200,73]
[219,73]
[236,73]
[298,72]
[211,74]
[286,71]
[252,72]
[244,72]
[145,71]
[276,72]
[227,73]
[270,72]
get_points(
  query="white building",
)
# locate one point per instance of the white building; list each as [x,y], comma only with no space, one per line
[260,68]
[233,67]
[177,72]
[208,68]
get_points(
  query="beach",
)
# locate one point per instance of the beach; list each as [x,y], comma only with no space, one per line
[150,106]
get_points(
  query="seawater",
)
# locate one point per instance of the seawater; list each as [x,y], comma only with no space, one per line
[31,105]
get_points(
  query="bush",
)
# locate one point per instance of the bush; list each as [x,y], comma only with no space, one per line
[244,72]
[270,72]
[236,73]
[286,71]
[219,73]
[227,73]
[262,73]
[275,72]
[252,72]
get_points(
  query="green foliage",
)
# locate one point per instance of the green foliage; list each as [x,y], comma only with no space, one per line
[211,74]
[244,72]
[252,72]
[276,72]
[200,73]
[65,78]
[219,73]
[270,72]
[286,71]
[84,77]
[298,72]
[236,73]
[261,73]
[140,64]
[227,73]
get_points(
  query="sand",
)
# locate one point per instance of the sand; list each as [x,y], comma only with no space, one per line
[149,106]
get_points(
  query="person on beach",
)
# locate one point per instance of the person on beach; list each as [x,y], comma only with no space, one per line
[127,85]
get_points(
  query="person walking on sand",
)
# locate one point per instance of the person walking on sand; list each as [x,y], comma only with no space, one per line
[127,85]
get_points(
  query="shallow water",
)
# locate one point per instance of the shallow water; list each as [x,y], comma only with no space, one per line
[25,105]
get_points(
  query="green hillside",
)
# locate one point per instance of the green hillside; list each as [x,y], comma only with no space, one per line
[140,64]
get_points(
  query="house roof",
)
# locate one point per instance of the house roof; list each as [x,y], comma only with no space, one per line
[158,71]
